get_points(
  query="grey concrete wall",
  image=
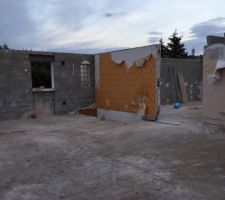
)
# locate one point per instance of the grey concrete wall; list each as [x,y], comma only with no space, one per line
[212,39]
[43,103]
[192,72]
[69,95]
[15,84]
[17,97]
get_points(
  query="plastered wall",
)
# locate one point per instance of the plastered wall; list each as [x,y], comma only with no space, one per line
[214,94]
[127,81]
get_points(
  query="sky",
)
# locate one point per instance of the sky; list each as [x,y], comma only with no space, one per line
[93,26]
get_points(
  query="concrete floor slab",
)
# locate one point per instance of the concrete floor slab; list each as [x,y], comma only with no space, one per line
[79,157]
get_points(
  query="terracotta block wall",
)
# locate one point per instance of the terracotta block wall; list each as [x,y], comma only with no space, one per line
[121,88]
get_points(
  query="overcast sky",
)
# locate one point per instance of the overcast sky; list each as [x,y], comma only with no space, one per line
[90,26]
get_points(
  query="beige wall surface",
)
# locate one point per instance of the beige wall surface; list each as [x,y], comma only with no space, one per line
[214,94]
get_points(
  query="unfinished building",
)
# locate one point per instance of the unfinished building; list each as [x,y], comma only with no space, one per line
[40,83]
[45,83]
[124,85]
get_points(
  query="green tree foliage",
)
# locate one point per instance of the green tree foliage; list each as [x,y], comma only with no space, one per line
[164,49]
[4,46]
[174,48]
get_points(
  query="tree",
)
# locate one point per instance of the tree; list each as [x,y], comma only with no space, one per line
[176,49]
[164,49]
[4,46]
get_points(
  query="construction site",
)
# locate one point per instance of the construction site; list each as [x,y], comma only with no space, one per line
[106,126]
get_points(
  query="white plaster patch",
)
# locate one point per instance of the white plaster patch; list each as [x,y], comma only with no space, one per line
[131,55]
[168,100]
[85,62]
[214,75]
[118,115]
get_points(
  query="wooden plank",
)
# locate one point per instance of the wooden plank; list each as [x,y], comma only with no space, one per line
[182,87]
[175,85]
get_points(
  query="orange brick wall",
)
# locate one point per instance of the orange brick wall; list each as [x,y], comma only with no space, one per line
[127,90]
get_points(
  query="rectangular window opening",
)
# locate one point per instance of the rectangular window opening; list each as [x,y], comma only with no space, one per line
[42,74]
[84,76]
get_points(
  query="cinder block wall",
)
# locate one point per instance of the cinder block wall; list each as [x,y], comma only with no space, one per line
[16,96]
[69,95]
[15,84]
[192,73]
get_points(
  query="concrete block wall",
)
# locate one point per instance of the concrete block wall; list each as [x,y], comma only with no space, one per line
[192,73]
[16,95]
[69,95]
[212,39]
[15,84]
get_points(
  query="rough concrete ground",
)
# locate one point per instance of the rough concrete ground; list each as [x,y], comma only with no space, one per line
[78,157]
